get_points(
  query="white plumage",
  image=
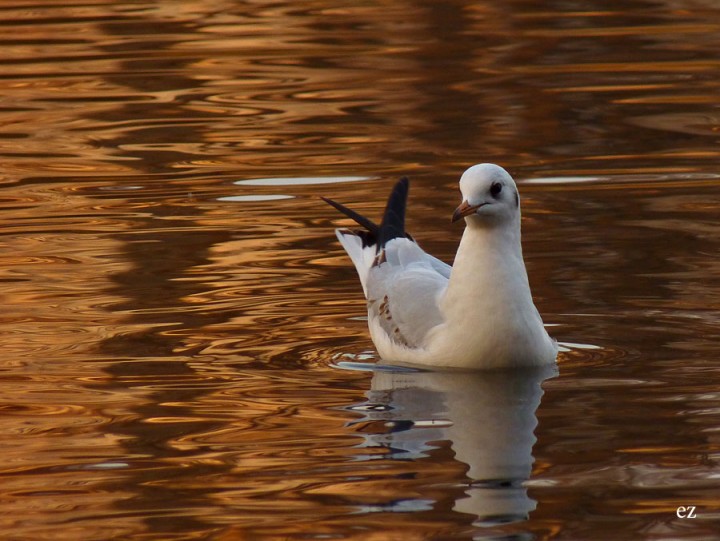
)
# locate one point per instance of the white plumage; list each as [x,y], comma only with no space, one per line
[477,314]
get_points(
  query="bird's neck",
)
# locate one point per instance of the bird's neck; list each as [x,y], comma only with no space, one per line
[489,268]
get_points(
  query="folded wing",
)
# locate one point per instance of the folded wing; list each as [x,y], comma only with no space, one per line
[401,282]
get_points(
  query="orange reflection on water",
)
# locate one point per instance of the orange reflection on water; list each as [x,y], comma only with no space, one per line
[172,332]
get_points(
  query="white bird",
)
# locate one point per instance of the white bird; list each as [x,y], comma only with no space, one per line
[477,314]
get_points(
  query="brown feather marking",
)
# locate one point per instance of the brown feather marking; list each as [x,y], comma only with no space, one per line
[379,259]
[393,331]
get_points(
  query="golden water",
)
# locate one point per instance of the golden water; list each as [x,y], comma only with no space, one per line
[181,334]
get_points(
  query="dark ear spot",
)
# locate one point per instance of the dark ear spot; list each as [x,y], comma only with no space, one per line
[517,199]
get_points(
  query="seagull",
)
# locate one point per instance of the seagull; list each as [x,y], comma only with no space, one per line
[476,314]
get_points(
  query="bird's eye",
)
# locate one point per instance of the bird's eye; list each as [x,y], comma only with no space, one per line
[495,189]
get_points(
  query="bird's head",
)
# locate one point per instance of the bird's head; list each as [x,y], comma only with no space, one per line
[490,196]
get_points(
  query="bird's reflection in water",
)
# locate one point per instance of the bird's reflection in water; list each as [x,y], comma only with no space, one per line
[487,417]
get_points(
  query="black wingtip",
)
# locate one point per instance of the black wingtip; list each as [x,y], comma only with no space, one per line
[393,222]
[358,218]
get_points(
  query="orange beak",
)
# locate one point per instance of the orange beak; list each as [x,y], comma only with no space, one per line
[465,209]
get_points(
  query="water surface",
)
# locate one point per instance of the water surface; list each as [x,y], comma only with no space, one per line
[184,350]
